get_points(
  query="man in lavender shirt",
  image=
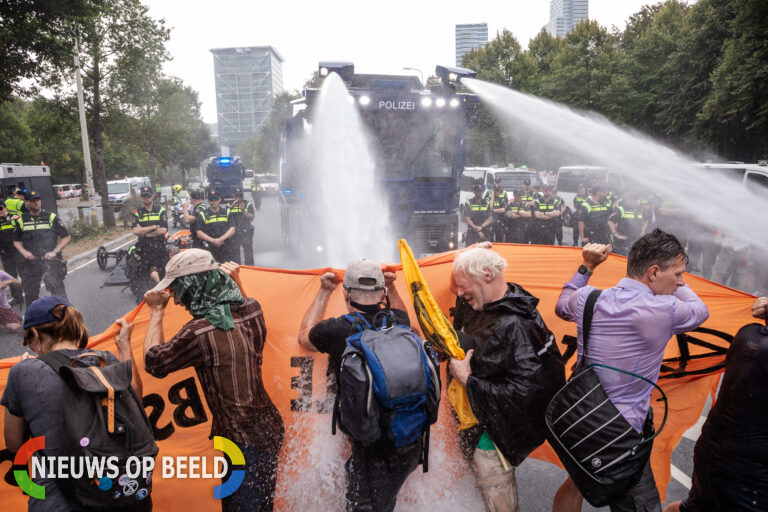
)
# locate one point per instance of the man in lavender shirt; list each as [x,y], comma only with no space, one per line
[632,323]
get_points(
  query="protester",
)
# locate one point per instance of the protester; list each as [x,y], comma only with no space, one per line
[632,323]
[375,473]
[511,370]
[33,394]
[9,318]
[730,460]
[224,343]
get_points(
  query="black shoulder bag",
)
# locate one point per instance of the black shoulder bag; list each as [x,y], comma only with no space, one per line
[602,452]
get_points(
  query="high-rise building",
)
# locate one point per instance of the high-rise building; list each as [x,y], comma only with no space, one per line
[470,36]
[566,14]
[247,80]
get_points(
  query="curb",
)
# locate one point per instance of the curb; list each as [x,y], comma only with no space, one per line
[92,252]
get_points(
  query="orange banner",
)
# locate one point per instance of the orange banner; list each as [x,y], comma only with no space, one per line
[311,474]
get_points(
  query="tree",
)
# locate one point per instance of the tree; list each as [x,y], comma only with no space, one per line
[122,49]
[738,101]
[16,142]
[263,152]
[34,38]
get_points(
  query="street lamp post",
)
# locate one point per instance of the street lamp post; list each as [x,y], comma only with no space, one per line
[421,75]
[84,136]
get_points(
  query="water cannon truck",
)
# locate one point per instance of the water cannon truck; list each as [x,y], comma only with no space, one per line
[224,174]
[419,146]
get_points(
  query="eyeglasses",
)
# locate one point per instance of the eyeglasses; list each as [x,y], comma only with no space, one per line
[146,195]
[214,198]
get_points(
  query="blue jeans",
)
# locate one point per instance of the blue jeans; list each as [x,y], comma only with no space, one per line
[257,492]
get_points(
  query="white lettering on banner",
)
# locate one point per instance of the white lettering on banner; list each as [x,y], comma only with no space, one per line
[396,105]
[168,468]
[219,473]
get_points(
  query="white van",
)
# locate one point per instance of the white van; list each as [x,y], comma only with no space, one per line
[753,176]
[120,191]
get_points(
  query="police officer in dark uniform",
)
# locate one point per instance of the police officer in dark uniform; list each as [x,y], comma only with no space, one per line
[190,211]
[497,202]
[546,211]
[8,253]
[627,223]
[517,219]
[593,218]
[242,213]
[39,236]
[560,206]
[150,224]
[477,216]
[529,198]
[215,228]
[578,200]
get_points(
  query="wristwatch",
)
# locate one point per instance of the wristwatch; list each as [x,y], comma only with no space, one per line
[584,270]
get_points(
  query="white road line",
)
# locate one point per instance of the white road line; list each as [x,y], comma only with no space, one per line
[94,259]
[694,432]
[681,477]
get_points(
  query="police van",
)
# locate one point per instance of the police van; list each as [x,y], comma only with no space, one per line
[753,176]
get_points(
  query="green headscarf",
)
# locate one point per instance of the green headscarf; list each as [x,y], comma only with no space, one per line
[209,294]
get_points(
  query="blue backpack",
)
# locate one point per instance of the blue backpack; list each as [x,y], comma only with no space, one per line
[389,384]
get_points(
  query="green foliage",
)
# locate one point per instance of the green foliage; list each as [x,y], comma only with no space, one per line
[694,76]
[16,142]
[263,153]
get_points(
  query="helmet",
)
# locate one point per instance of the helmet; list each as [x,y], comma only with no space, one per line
[176,188]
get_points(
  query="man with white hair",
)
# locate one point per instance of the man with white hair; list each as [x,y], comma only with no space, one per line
[512,369]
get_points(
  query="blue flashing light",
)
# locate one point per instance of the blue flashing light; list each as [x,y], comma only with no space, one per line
[225,160]
[287,192]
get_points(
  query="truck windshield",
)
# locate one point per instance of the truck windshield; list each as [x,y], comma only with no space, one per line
[117,188]
[413,144]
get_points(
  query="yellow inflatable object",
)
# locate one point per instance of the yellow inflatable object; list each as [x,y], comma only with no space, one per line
[437,329]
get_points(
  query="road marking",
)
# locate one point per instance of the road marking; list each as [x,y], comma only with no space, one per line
[694,432]
[94,259]
[681,477]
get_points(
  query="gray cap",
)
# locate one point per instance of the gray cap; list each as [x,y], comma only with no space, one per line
[363,275]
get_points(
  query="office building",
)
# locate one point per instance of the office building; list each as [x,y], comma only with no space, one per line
[247,80]
[470,36]
[566,14]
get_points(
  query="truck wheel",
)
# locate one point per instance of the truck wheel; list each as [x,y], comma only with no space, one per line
[567,218]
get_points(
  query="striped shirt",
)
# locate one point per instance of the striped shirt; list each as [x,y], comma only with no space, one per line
[228,364]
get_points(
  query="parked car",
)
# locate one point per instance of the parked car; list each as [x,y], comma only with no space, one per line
[270,183]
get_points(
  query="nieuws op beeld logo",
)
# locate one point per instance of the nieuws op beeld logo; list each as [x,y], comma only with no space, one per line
[105,471]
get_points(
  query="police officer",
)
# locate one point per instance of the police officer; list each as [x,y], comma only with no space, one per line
[256,193]
[150,224]
[242,213]
[215,228]
[477,217]
[39,236]
[8,253]
[627,223]
[593,218]
[546,211]
[190,210]
[15,203]
[518,217]
[578,200]
[529,198]
[497,201]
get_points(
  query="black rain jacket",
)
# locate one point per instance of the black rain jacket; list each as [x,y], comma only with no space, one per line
[516,369]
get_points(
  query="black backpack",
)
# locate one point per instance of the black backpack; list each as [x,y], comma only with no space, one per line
[389,385]
[103,418]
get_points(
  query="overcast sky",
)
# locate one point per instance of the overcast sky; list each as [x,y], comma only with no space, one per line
[379,37]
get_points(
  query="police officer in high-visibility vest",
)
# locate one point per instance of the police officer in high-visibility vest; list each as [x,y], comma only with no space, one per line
[190,210]
[578,200]
[39,236]
[215,228]
[477,216]
[546,210]
[242,213]
[256,193]
[15,203]
[150,224]
[8,253]
[627,223]
[529,198]
[497,202]
[593,218]
[517,219]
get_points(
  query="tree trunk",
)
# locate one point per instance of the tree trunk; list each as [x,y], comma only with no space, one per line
[152,173]
[108,213]
[184,178]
